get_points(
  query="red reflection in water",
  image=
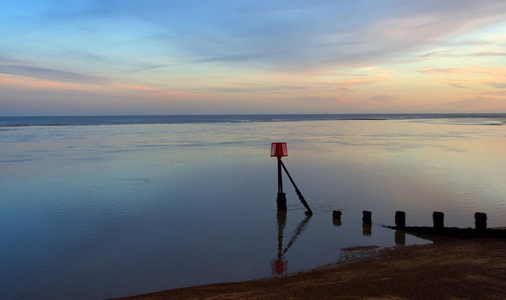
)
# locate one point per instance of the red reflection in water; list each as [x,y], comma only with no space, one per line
[279,266]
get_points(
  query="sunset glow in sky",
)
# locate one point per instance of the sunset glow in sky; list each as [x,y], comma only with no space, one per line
[99,57]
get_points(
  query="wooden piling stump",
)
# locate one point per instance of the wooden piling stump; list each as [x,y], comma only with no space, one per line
[366,217]
[438,219]
[480,221]
[400,219]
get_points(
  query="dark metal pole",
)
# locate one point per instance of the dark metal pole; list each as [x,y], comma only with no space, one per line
[280,176]
[309,211]
[281,200]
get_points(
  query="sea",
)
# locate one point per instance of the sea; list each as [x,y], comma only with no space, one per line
[96,207]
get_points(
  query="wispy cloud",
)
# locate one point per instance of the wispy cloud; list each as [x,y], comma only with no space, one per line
[280,35]
[165,92]
[467,70]
[488,53]
[459,85]
[380,98]
[359,81]
[301,85]
[498,85]
[465,77]
[295,36]
[451,53]
[51,74]
[19,83]
[436,70]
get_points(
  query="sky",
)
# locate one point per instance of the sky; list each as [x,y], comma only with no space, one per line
[123,57]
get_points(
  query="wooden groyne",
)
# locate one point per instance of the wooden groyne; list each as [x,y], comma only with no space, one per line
[438,228]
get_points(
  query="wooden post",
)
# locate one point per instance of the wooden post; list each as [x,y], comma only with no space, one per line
[280,177]
[336,217]
[480,221]
[281,200]
[366,217]
[438,219]
[400,219]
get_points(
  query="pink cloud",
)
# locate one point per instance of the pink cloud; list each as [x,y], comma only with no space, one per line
[359,81]
[165,92]
[10,81]
[498,85]
[18,82]
[453,71]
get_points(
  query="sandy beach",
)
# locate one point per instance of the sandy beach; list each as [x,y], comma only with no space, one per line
[457,269]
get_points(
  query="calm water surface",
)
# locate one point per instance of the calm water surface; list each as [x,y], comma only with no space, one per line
[91,212]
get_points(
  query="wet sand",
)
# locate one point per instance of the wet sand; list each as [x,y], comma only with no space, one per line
[458,269]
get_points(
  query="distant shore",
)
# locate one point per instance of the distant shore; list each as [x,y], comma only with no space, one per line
[463,269]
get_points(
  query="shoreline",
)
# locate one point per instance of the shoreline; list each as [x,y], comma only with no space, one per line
[464,269]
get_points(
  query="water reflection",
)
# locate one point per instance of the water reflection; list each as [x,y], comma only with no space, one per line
[400,237]
[280,264]
[367,229]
